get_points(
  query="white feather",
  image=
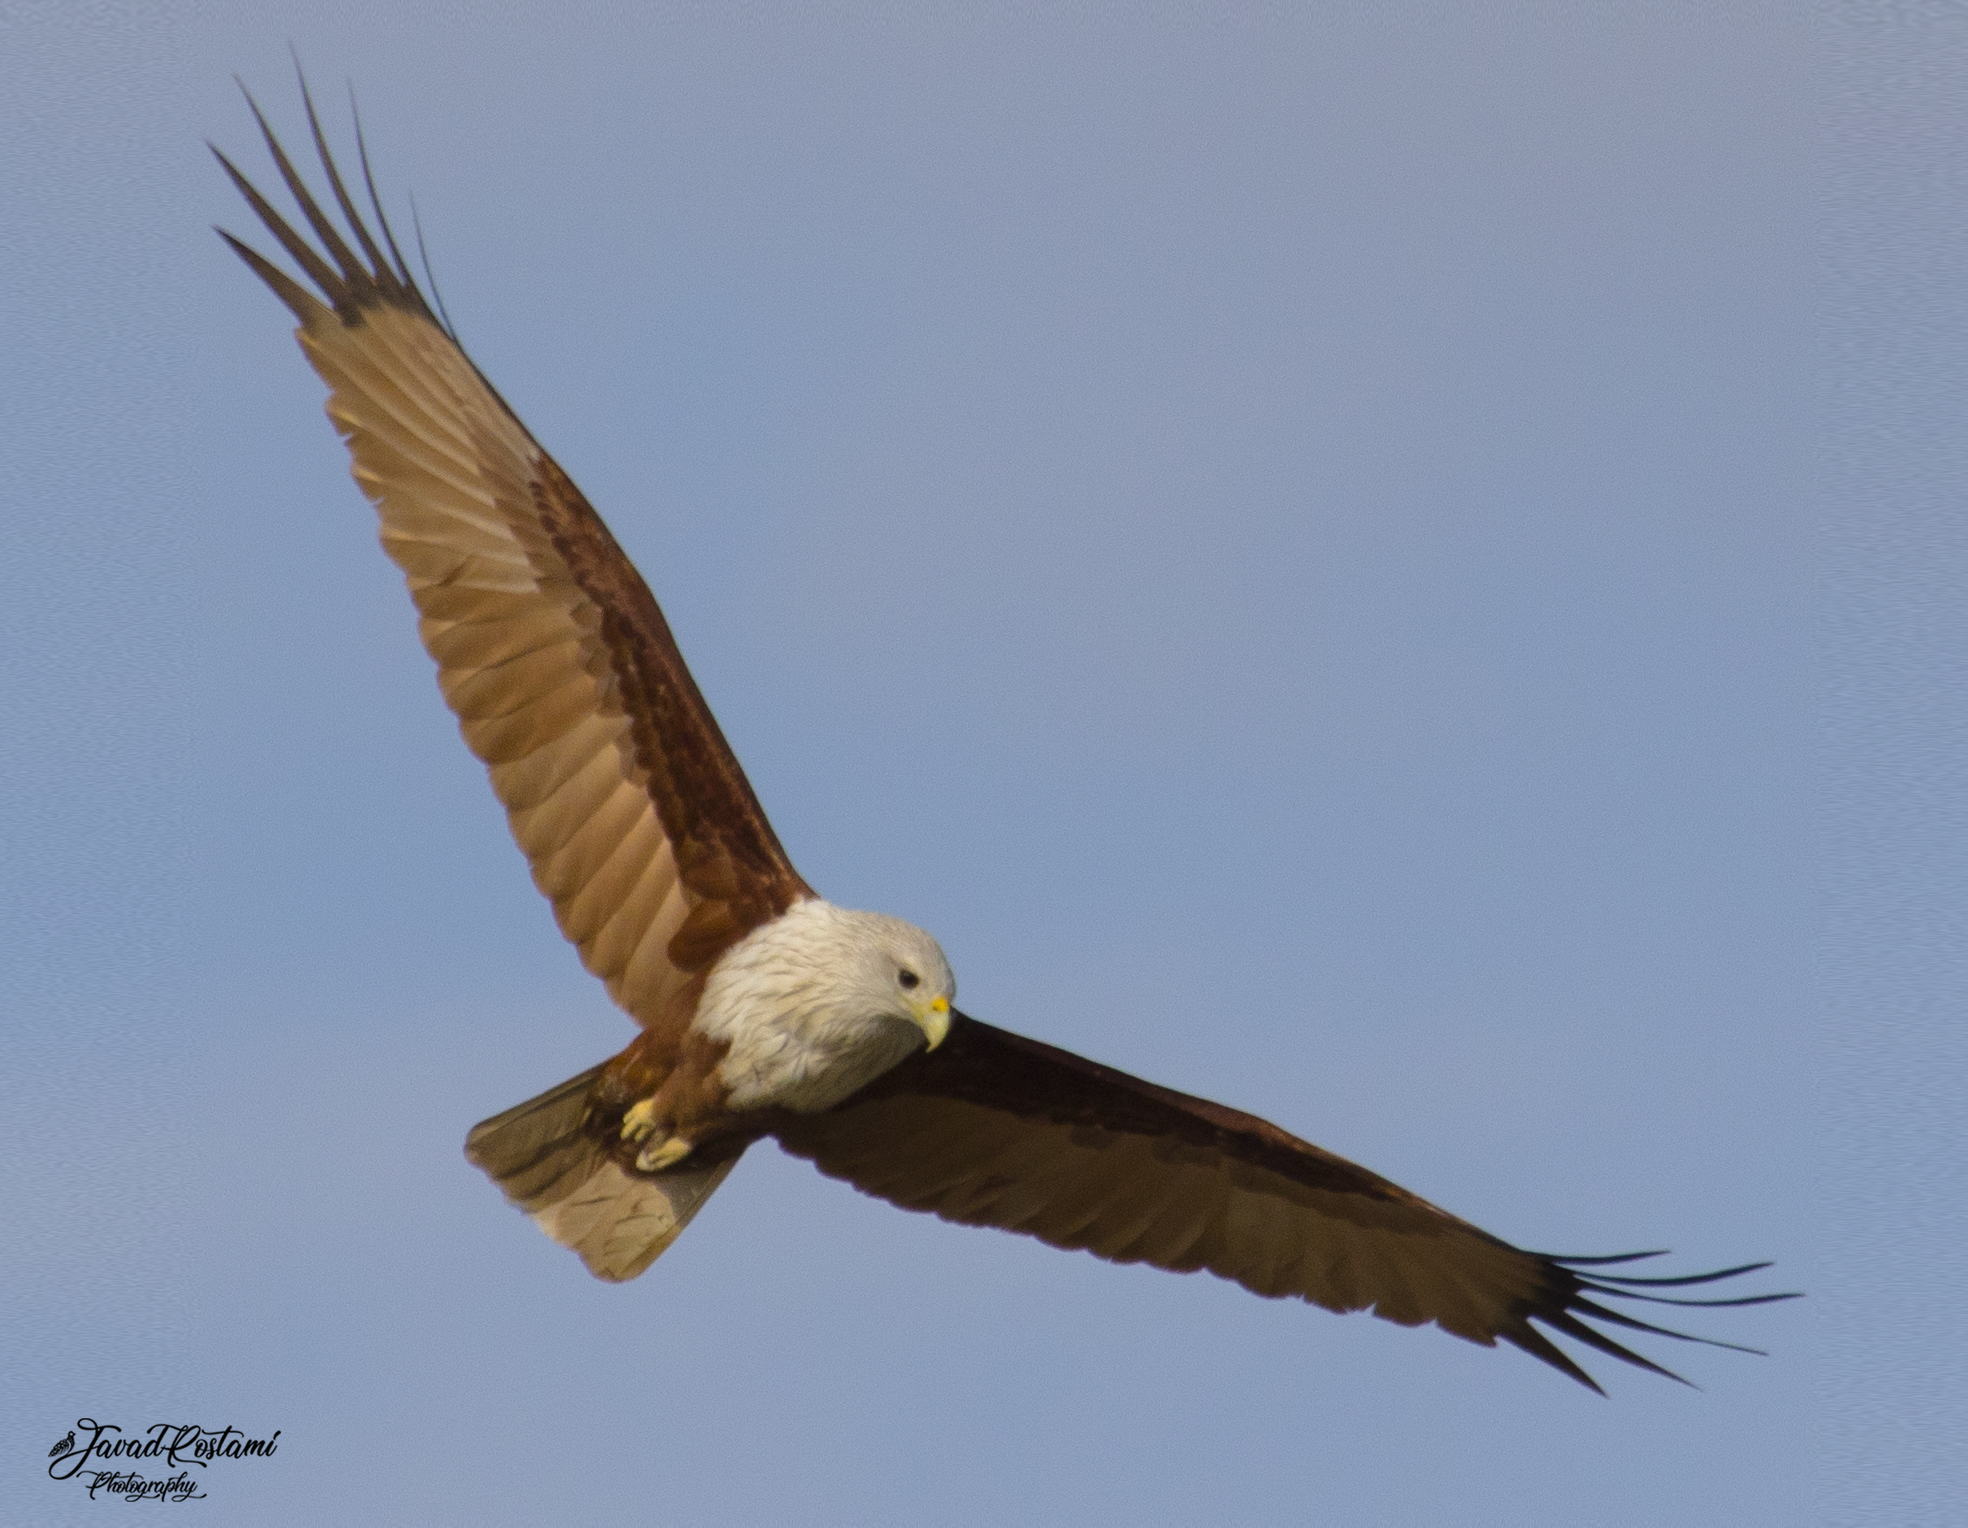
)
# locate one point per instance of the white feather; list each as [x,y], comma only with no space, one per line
[814,1007]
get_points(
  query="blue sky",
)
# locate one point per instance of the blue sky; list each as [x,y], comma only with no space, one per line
[1279,538]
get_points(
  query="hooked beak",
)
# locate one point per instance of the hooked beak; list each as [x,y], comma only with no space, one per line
[934,1017]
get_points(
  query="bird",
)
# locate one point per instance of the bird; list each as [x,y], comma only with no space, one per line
[762,1009]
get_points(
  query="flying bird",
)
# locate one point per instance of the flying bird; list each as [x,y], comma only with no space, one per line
[763,1009]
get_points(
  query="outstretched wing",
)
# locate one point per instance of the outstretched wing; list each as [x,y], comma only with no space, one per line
[634,815]
[992,1129]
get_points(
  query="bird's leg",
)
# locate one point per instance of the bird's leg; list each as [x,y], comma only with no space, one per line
[640,1122]
[678,1098]
[659,1155]
[663,1149]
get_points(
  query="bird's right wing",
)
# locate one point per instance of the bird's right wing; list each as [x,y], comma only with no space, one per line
[993,1129]
[636,819]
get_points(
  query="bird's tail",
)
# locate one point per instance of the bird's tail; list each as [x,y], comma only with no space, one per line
[549,1163]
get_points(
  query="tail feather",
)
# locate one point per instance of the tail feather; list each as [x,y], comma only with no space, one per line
[539,1151]
[548,1163]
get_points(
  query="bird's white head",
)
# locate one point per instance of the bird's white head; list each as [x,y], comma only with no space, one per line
[886,967]
[821,1001]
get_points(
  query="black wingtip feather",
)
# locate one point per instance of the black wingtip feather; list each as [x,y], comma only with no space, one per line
[1530,1340]
[1567,1309]
[354,272]
[375,201]
[300,302]
[423,254]
[1572,1260]
[1564,1321]
[332,286]
[1686,1278]
[376,267]
[361,280]
[1627,1294]
[1632,1323]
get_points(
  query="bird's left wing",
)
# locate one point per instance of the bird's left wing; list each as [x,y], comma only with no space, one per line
[634,815]
[993,1129]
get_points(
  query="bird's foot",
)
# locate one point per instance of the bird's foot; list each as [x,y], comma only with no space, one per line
[660,1148]
[640,1122]
[659,1155]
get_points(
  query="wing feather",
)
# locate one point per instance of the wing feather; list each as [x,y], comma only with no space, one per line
[587,913]
[648,962]
[570,849]
[633,814]
[538,724]
[610,923]
[484,644]
[992,1129]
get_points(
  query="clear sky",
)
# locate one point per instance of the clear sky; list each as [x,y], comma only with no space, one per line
[1278,536]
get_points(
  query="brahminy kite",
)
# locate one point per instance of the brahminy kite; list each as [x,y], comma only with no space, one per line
[765,1010]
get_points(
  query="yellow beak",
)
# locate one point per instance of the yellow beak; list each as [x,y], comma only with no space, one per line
[934,1018]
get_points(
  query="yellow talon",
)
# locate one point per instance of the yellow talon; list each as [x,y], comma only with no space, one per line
[653,1159]
[640,1121]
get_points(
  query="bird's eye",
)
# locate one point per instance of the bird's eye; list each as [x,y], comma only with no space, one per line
[908,979]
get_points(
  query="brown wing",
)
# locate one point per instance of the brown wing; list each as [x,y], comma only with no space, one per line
[634,815]
[992,1129]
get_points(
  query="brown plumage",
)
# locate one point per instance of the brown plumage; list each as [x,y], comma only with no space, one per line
[638,823]
[643,833]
